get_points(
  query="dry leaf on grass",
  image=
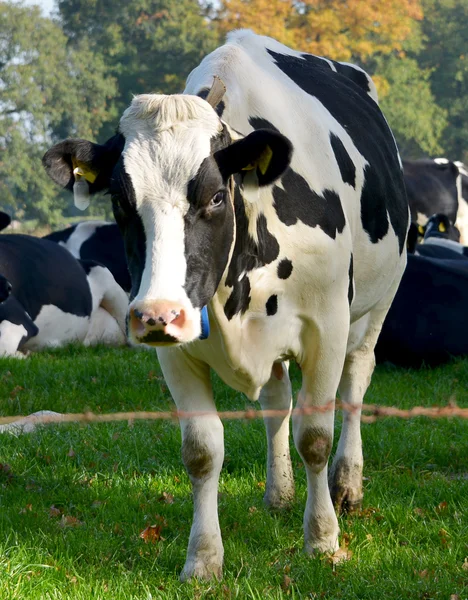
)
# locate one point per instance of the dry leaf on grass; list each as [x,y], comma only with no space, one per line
[27,508]
[465,564]
[54,511]
[341,555]
[166,498]
[68,521]
[151,534]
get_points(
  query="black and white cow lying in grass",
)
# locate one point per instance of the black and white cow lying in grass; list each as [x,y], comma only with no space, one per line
[99,241]
[55,299]
[279,211]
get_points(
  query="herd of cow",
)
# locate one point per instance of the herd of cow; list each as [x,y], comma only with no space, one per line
[263,217]
[48,299]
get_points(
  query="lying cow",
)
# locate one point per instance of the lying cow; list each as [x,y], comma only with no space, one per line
[55,299]
[99,241]
[433,186]
[427,320]
[277,215]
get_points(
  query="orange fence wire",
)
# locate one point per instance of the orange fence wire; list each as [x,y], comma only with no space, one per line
[372,412]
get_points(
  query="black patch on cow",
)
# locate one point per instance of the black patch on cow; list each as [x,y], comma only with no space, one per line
[272,305]
[130,224]
[5,220]
[239,300]
[12,311]
[350,72]
[203,93]
[297,201]
[351,275]
[61,236]
[209,229]
[261,123]
[42,272]
[348,102]
[285,268]
[247,255]
[345,164]
[5,288]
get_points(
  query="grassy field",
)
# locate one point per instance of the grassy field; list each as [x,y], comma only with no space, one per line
[75,499]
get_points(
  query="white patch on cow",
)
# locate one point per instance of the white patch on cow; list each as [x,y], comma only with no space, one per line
[109,296]
[167,139]
[82,233]
[10,337]
[57,328]
[104,329]
[462,168]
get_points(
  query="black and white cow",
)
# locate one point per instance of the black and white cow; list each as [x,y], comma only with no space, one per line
[434,186]
[427,321]
[99,241]
[54,299]
[293,254]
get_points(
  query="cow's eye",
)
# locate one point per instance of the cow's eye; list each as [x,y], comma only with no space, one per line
[217,200]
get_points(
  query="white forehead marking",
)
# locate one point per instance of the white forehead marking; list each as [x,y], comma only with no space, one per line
[166,140]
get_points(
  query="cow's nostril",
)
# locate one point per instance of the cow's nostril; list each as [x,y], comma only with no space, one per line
[151,322]
[162,320]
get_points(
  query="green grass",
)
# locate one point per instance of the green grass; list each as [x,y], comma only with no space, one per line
[107,482]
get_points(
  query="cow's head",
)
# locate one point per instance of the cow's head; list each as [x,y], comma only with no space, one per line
[168,170]
[439,226]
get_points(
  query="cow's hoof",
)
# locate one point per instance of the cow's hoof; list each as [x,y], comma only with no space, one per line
[345,483]
[199,570]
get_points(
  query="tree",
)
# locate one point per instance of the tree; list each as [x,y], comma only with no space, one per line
[409,105]
[445,27]
[48,91]
[341,30]
[148,45]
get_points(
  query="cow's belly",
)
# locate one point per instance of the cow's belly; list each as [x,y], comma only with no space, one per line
[56,328]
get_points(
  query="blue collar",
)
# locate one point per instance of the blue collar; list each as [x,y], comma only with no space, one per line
[205,323]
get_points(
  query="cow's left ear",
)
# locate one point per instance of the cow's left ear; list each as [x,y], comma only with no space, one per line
[267,151]
[75,158]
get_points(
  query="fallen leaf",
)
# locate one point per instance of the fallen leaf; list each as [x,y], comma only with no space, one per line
[71,453]
[442,506]
[54,511]
[465,564]
[454,597]
[166,498]
[286,583]
[252,510]
[27,508]
[68,521]
[341,555]
[116,436]
[151,534]
[261,485]
[423,573]
[6,474]
[369,537]
[419,511]
[16,390]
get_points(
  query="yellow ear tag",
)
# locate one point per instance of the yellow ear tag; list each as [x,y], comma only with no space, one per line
[82,169]
[442,228]
[264,160]
[420,230]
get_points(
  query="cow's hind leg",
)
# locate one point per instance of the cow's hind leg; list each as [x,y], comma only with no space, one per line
[203,455]
[345,475]
[276,395]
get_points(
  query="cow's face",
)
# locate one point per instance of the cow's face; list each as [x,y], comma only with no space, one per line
[170,178]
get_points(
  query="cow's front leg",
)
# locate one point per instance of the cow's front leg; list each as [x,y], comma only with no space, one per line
[203,455]
[276,395]
[313,433]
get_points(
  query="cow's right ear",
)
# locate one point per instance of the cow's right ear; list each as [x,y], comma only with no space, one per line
[92,162]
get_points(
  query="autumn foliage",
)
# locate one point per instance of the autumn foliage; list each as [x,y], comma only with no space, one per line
[341,29]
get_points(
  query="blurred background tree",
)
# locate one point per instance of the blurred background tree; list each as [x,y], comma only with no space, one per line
[48,90]
[74,74]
